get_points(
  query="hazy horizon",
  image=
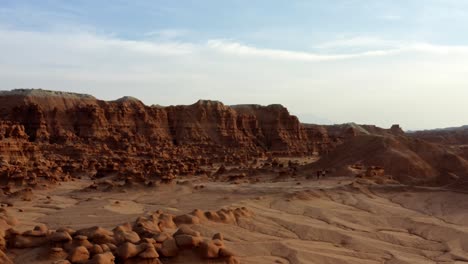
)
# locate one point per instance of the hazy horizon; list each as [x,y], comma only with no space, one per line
[362,61]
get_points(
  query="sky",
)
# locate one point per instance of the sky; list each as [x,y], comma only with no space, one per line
[328,61]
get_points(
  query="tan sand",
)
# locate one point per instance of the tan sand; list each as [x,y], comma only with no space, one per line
[326,221]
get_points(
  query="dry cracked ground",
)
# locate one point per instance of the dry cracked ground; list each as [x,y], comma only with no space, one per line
[334,220]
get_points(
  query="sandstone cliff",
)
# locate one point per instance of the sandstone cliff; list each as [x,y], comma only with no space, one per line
[55,134]
[56,117]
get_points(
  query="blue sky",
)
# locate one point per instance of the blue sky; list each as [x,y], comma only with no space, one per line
[379,62]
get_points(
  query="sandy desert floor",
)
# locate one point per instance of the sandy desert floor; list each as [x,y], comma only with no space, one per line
[333,220]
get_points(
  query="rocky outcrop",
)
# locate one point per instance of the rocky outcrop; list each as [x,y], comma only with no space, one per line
[61,117]
[57,136]
[52,135]
[146,240]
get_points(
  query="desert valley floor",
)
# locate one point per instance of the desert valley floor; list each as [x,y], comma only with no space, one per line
[331,220]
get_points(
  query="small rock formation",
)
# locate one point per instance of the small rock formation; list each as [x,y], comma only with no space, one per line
[143,241]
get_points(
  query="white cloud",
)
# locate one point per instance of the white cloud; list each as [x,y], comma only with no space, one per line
[390,47]
[236,48]
[367,42]
[381,86]
[372,47]
[436,49]
[76,44]
[391,17]
[167,34]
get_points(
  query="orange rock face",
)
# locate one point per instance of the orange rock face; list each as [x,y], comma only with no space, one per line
[51,135]
[62,117]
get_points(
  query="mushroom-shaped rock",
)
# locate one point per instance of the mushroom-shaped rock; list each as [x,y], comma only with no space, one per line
[66,229]
[128,250]
[186,219]
[105,248]
[41,227]
[219,236]
[82,241]
[103,258]
[166,221]
[186,230]
[149,253]
[97,234]
[161,237]
[148,240]
[122,236]
[218,242]
[124,227]
[226,216]
[224,252]
[28,241]
[213,216]
[146,227]
[60,237]
[187,241]
[112,247]
[242,212]
[38,231]
[55,253]
[169,248]
[97,249]
[208,249]
[198,213]
[79,255]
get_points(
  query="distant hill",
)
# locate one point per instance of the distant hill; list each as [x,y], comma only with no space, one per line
[405,157]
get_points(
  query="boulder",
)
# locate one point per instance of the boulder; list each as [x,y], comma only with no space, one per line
[186,230]
[208,249]
[121,236]
[79,255]
[218,236]
[186,219]
[96,234]
[169,248]
[28,241]
[224,252]
[129,250]
[103,258]
[60,237]
[187,242]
